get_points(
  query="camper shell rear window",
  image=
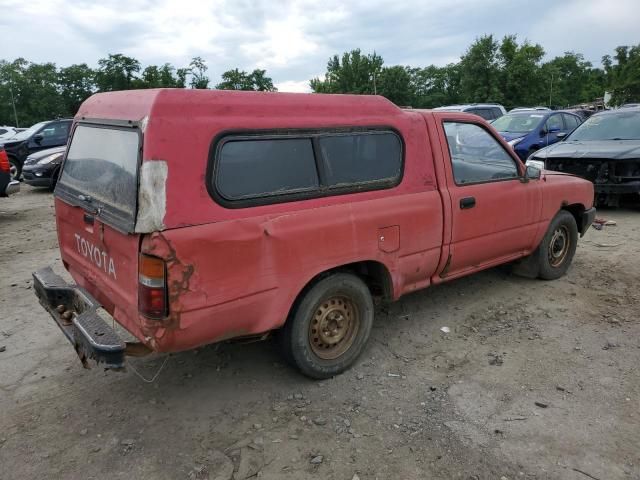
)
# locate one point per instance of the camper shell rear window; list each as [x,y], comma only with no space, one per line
[100,172]
[258,168]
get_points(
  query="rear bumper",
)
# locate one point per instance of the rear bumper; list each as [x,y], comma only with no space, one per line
[12,187]
[86,328]
[588,216]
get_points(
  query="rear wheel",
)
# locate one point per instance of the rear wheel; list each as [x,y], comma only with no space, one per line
[15,169]
[329,326]
[558,246]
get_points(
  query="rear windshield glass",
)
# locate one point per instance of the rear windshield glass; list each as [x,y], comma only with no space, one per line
[609,126]
[102,163]
[520,122]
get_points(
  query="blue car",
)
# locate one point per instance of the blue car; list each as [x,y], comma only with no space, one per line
[530,130]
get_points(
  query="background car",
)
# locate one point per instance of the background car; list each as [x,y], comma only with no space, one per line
[8,186]
[530,130]
[605,150]
[488,111]
[40,136]
[41,169]
[522,109]
[7,132]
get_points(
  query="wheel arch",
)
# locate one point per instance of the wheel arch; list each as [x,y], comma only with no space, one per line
[576,210]
[374,274]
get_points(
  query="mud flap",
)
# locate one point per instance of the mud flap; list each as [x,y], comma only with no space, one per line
[528,267]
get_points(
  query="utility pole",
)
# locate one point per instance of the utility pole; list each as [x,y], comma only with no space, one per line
[375,91]
[13,102]
[551,90]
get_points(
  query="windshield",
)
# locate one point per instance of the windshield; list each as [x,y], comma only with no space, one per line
[610,126]
[28,132]
[102,163]
[518,122]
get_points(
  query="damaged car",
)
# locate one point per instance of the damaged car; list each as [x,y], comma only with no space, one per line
[288,214]
[604,150]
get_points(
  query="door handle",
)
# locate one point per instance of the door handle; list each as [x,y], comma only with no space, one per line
[467,202]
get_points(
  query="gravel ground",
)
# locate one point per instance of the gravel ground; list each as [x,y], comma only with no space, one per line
[535,380]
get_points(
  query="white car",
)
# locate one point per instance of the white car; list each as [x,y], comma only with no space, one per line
[488,111]
[7,132]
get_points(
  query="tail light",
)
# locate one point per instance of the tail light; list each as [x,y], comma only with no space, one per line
[4,162]
[152,287]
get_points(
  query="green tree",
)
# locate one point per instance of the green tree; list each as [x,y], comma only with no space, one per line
[11,75]
[76,83]
[623,74]
[435,86]
[520,78]
[197,69]
[240,80]
[260,82]
[480,71]
[117,72]
[32,88]
[354,73]
[394,83]
[154,76]
[570,80]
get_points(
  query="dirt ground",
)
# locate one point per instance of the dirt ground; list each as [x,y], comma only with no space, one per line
[535,380]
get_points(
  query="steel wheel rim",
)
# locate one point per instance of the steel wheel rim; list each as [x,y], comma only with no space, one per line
[13,171]
[333,327]
[559,246]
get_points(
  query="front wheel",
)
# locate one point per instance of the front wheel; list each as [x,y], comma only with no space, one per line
[329,326]
[558,246]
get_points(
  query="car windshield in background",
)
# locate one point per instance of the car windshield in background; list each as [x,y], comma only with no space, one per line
[102,163]
[521,122]
[621,125]
[28,132]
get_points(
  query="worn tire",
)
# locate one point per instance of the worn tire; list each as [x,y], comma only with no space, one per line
[558,246]
[16,168]
[336,302]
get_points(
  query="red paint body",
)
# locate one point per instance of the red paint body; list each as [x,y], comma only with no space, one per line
[236,272]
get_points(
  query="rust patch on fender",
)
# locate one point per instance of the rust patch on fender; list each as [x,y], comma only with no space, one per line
[179,276]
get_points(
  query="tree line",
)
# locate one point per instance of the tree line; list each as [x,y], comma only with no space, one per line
[502,71]
[32,92]
[490,70]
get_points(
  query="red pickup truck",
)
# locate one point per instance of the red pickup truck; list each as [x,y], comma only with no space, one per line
[192,217]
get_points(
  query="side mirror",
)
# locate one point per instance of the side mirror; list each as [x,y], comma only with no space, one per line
[561,134]
[553,130]
[532,172]
[37,138]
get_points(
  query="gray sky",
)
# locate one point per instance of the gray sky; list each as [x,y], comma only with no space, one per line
[293,39]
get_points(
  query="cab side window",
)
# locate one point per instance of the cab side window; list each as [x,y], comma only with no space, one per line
[571,121]
[554,123]
[56,131]
[476,156]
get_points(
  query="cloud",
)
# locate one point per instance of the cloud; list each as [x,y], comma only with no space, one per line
[296,87]
[293,39]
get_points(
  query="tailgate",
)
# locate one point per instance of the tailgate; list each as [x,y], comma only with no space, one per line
[96,201]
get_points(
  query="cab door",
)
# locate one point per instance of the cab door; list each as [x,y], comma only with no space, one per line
[553,127]
[495,211]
